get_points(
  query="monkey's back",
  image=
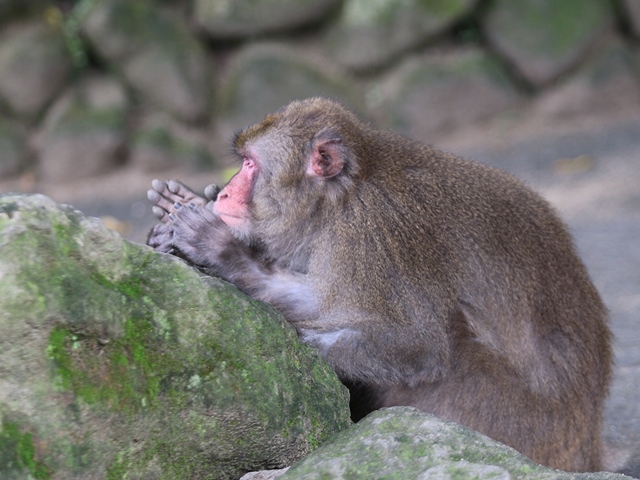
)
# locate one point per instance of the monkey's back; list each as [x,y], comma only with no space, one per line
[530,355]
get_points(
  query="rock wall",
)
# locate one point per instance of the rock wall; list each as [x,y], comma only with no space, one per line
[87,86]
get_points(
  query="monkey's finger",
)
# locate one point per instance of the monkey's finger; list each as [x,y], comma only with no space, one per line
[153,196]
[182,194]
[161,238]
[174,192]
[159,187]
[164,190]
[165,247]
[211,191]
[162,215]
[161,205]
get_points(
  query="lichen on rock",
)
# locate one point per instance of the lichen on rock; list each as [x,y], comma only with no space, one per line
[115,359]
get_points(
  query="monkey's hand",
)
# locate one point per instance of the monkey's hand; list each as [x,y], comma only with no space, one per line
[161,238]
[165,195]
[196,234]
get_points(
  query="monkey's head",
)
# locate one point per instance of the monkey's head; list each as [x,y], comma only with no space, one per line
[293,162]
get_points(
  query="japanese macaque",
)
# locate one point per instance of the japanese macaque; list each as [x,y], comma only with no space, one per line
[424,279]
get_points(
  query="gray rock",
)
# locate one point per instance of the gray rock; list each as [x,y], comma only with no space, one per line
[433,94]
[369,34]
[84,131]
[14,153]
[34,67]
[263,78]
[236,19]
[159,142]
[117,361]
[546,38]
[405,443]
[264,474]
[156,54]
[608,81]
[631,11]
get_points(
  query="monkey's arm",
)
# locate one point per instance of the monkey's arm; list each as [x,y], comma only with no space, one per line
[366,346]
[196,234]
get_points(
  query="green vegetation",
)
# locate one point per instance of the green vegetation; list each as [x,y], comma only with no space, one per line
[18,452]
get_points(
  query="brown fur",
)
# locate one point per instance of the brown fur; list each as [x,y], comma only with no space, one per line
[424,279]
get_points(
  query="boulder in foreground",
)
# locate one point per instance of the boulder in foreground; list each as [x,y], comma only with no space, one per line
[118,361]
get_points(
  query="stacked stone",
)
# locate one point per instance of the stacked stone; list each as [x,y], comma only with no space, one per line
[90,86]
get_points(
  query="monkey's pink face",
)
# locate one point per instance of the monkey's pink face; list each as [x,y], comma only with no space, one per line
[232,204]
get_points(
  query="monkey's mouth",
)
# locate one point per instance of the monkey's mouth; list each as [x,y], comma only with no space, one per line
[230,219]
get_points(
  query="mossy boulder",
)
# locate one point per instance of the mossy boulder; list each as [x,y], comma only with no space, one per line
[155,52]
[402,442]
[34,67]
[369,35]
[118,361]
[84,132]
[434,94]
[547,38]
[13,145]
[596,86]
[160,142]
[239,19]
[286,75]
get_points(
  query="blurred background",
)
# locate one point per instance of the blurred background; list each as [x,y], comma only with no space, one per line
[99,97]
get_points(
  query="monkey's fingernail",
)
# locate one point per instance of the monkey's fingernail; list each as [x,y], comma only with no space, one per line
[153,196]
[172,217]
[192,205]
[177,206]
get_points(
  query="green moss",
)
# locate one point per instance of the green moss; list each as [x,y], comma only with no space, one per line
[442,8]
[143,24]
[8,208]
[139,347]
[123,374]
[80,457]
[64,242]
[385,13]
[158,137]
[549,27]
[118,470]
[18,452]
[131,287]
[82,119]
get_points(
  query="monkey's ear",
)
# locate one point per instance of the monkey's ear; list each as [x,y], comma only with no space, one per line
[327,158]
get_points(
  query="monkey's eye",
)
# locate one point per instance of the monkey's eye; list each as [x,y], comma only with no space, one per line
[248,163]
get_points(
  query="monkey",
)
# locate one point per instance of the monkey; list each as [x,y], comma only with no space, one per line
[423,278]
